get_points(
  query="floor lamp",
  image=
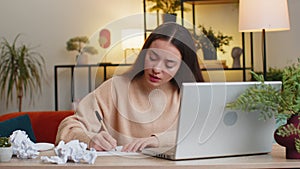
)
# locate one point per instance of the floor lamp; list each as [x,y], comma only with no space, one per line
[263,16]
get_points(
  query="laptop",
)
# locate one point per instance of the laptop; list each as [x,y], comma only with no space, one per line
[207,129]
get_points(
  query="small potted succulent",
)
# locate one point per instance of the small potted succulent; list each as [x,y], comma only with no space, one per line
[284,104]
[6,150]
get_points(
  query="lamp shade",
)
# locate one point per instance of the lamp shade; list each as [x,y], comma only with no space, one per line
[271,15]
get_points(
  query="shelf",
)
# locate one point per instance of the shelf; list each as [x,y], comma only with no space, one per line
[193,3]
[226,69]
[198,2]
[204,2]
[71,67]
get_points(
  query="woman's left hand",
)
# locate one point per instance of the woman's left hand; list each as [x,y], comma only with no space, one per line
[140,144]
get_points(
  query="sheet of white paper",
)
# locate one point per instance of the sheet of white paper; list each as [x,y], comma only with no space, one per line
[116,152]
[44,146]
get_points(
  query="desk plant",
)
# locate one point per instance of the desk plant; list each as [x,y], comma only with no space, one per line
[21,71]
[5,149]
[284,104]
[273,74]
[4,142]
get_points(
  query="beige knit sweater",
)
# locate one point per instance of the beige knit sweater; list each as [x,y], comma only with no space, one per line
[129,110]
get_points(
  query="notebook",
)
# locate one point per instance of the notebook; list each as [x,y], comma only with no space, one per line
[206,128]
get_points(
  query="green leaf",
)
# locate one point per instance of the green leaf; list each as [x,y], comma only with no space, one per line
[297,144]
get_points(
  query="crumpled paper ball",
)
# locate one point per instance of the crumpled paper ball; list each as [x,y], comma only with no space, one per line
[23,147]
[73,150]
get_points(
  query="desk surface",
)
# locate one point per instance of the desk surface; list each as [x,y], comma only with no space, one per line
[276,159]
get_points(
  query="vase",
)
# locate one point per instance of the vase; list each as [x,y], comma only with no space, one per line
[82,59]
[5,154]
[169,17]
[209,53]
[289,142]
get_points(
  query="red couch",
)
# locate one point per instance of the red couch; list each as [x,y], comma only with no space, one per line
[44,123]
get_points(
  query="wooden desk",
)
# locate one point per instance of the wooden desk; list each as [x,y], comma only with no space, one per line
[276,159]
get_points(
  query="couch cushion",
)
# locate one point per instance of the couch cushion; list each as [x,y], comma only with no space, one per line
[44,123]
[17,123]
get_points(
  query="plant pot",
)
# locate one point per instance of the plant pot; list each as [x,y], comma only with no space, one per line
[209,53]
[82,59]
[289,142]
[169,17]
[5,154]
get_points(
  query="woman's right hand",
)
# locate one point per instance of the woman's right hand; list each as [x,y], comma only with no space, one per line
[103,141]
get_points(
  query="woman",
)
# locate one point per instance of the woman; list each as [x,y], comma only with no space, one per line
[139,108]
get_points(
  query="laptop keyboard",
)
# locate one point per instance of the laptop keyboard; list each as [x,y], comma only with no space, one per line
[167,154]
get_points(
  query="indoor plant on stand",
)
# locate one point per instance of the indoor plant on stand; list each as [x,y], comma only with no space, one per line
[284,104]
[210,42]
[79,44]
[21,71]
[168,7]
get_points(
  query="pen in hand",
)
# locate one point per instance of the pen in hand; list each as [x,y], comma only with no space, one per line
[102,123]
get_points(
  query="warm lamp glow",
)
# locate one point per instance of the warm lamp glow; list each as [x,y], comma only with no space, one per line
[132,38]
[270,15]
[132,42]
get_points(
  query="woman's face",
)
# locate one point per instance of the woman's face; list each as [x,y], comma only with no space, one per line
[162,61]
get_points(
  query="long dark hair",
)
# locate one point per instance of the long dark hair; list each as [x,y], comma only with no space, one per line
[181,38]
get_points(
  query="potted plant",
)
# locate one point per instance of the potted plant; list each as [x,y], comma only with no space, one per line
[284,104]
[21,71]
[273,74]
[5,149]
[79,44]
[210,41]
[168,7]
